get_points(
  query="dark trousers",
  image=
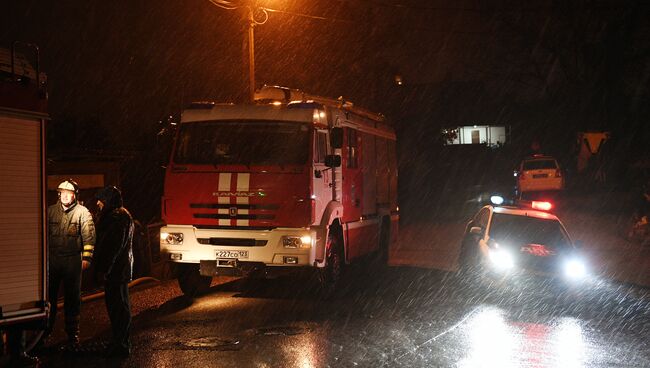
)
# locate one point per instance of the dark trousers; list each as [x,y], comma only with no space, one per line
[66,269]
[119,312]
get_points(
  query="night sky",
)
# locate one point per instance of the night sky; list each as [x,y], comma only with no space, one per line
[546,68]
[127,64]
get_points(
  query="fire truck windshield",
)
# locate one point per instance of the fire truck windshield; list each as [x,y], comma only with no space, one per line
[243,143]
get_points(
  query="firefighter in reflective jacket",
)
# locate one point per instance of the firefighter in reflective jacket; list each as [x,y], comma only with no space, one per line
[71,242]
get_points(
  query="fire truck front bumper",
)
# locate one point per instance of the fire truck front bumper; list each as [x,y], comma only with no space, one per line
[234,267]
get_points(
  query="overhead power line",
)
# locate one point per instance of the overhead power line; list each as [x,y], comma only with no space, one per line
[231,5]
[225,4]
[386,4]
[362,21]
[309,16]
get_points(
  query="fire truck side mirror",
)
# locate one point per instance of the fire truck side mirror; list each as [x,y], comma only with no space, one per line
[333,160]
[336,137]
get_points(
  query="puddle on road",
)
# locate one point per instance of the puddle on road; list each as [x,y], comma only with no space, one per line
[280,331]
[210,343]
[213,343]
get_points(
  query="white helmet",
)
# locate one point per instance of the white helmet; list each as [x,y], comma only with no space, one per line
[70,185]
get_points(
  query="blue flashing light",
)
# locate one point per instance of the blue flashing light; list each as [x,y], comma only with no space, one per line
[496,200]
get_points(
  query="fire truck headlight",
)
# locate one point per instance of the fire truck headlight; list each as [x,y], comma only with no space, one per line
[171,238]
[296,241]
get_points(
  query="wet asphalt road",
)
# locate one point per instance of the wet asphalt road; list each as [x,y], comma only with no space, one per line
[399,316]
[395,317]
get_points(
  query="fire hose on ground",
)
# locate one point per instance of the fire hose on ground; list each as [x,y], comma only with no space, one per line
[97,295]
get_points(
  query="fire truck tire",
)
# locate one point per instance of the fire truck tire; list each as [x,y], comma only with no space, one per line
[191,282]
[333,272]
[383,245]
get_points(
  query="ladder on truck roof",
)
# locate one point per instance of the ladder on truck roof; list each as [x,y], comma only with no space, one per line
[285,95]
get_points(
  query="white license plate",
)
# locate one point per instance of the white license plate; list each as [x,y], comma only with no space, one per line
[238,254]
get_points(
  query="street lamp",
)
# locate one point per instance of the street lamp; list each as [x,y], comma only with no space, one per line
[256,15]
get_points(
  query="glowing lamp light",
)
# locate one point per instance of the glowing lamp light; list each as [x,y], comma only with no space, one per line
[306,240]
[501,259]
[319,115]
[171,238]
[544,206]
[497,200]
[575,269]
[290,241]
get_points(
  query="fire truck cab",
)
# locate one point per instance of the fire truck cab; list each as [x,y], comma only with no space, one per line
[293,181]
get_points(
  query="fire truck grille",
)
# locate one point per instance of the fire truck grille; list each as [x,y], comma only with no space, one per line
[239,211]
[239,206]
[233,241]
[225,216]
[229,227]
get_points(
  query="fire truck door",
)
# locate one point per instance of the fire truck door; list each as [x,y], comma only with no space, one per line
[352,183]
[322,176]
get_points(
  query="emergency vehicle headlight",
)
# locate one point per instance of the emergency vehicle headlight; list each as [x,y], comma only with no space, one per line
[501,258]
[575,269]
[171,238]
[296,241]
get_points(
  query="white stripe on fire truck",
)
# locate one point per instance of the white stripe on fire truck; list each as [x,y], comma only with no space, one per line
[233,199]
[224,186]
[243,185]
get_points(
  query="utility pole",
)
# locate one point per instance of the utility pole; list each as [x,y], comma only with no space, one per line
[251,52]
[254,9]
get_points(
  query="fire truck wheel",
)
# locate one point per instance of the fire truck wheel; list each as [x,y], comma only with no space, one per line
[383,245]
[190,280]
[333,272]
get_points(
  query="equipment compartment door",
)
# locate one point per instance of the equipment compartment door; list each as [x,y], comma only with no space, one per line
[22,284]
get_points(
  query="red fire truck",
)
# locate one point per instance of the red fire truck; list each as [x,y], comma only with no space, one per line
[23,264]
[292,181]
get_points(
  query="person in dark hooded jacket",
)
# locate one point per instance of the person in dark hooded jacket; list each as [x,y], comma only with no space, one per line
[114,265]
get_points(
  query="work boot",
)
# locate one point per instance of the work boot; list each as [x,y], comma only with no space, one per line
[23,360]
[72,346]
[72,329]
